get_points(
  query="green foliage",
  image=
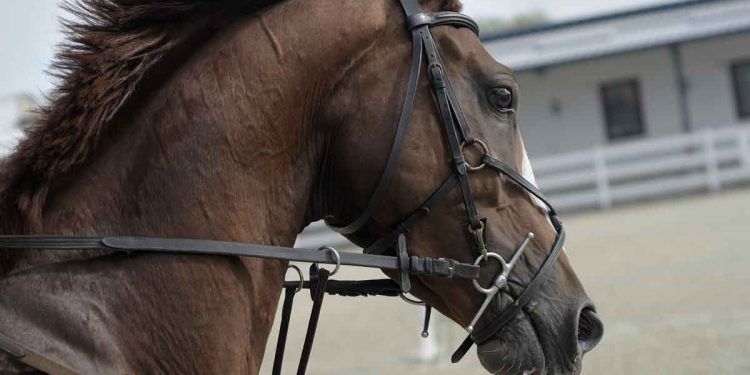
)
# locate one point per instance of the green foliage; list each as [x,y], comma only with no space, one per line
[522,21]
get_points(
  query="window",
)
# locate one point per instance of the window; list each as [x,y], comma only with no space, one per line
[622,109]
[741,81]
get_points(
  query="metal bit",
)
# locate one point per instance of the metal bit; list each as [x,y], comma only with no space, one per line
[501,282]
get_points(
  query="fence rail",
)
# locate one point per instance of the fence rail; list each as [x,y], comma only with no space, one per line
[708,160]
[600,178]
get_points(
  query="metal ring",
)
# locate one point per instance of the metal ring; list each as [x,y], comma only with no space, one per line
[484,148]
[411,301]
[479,260]
[336,257]
[301,277]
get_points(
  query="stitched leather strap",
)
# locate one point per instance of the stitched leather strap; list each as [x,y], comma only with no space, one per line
[442,267]
[286,313]
[318,292]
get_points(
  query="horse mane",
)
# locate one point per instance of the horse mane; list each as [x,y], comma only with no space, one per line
[108,50]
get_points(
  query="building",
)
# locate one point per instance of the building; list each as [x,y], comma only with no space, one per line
[647,73]
[630,106]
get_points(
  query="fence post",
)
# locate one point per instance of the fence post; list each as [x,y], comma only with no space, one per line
[713,179]
[602,179]
[744,143]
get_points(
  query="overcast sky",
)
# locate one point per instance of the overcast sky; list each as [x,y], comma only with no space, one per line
[29,30]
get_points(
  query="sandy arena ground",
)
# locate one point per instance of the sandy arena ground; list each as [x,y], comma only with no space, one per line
[671,281]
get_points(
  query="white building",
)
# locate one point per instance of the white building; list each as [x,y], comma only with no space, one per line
[630,106]
[647,73]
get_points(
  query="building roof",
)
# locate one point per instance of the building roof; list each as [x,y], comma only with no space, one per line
[615,33]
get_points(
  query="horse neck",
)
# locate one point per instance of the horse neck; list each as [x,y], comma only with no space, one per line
[225,148]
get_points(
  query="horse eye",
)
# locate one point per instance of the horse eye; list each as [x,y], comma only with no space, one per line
[502,98]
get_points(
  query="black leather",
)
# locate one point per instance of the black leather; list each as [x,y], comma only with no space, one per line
[286,314]
[442,267]
[441,18]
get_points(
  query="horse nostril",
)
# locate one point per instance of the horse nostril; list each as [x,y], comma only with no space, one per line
[590,329]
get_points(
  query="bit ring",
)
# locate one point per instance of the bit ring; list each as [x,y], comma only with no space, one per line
[479,260]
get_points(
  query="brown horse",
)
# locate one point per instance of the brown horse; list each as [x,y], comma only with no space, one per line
[237,120]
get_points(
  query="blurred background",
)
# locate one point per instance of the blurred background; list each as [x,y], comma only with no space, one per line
[636,115]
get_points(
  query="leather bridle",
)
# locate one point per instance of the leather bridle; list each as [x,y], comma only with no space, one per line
[458,135]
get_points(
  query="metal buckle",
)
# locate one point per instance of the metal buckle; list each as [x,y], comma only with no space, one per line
[451,267]
[485,151]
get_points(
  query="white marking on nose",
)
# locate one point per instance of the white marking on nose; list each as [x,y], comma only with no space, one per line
[528,174]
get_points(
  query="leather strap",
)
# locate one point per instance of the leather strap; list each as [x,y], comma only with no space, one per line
[507,170]
[386,242]
[441,268]
[359,288]
[416,20]
[286,313]
[390,164]
[318,292]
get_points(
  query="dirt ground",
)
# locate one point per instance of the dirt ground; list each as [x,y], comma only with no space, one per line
[671,281]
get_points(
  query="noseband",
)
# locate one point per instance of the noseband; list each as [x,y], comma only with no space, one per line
[459,137]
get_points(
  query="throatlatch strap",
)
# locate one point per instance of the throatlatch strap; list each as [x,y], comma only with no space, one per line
[286,313]
[390,164]
[317,293]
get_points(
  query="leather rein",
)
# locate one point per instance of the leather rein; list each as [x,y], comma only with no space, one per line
[458,135]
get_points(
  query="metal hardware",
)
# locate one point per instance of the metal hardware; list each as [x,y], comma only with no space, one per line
[501,281]
[301,277]
[485,150]
[336,257]
[478,237]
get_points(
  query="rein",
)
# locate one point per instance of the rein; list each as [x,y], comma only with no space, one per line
[459,137]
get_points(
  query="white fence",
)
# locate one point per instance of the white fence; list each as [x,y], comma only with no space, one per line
[707,160]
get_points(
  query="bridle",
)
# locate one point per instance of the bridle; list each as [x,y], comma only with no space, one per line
[459,137]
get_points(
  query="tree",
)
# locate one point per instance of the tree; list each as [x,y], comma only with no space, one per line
[526,20]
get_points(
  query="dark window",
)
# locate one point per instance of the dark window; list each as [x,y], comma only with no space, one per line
[741,80]
[622,109]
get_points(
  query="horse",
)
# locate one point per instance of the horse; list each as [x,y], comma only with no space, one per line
[245,121]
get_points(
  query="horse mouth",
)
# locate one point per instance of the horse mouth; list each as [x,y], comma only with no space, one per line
[514,351]
[520,347]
